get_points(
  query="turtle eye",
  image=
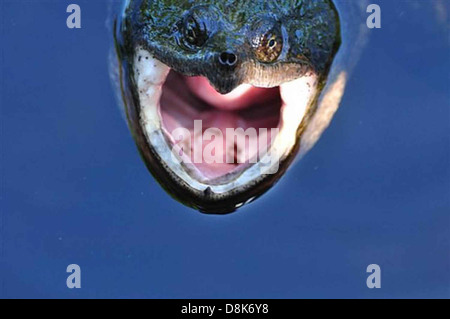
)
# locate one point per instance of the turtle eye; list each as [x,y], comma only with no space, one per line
[193,32]
[267,41]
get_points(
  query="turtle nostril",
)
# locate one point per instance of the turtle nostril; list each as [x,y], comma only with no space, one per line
[228,58]
[223,58]
[232,58]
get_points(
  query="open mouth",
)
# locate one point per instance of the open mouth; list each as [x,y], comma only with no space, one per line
[214,140]
[227,133]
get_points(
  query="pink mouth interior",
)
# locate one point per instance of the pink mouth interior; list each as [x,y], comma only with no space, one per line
[187,99]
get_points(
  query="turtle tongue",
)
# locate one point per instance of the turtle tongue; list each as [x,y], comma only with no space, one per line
[240,98]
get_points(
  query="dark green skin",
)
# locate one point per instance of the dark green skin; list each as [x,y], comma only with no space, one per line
[309,29]
[311,38]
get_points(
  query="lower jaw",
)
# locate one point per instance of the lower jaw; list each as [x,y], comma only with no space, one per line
[159,120]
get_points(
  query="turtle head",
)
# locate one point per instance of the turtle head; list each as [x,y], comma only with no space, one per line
[219,93]
[261,43]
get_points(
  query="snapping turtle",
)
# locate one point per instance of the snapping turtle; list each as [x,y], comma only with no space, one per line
[221,96]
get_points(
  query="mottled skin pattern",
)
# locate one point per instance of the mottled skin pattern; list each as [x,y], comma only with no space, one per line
[309,30]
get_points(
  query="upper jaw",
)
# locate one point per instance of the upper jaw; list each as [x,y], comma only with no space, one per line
[224,86]
[227,78]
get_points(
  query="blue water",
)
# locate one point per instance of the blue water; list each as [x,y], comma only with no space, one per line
[374,190]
